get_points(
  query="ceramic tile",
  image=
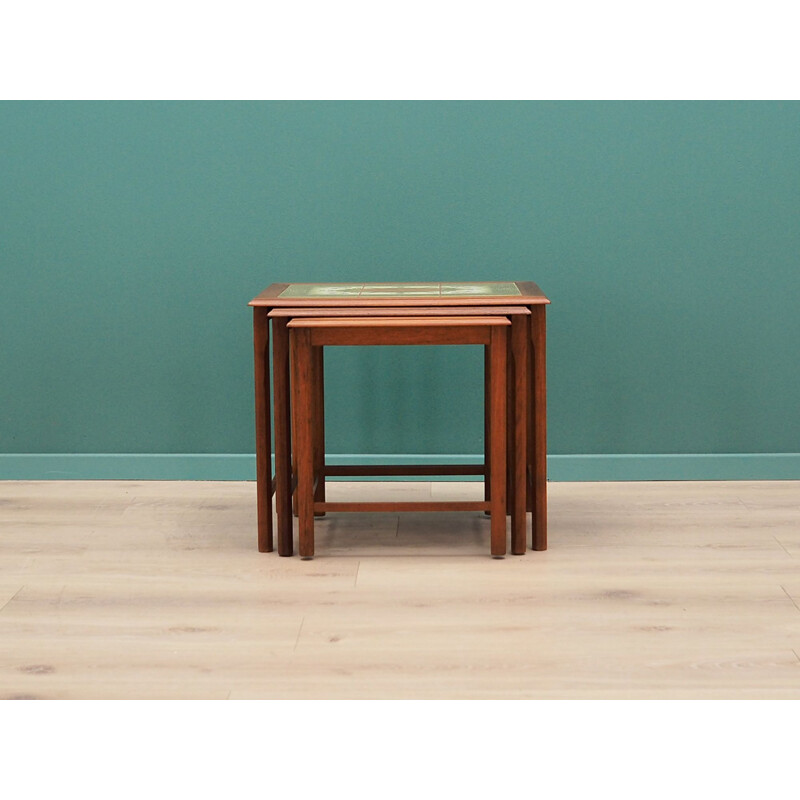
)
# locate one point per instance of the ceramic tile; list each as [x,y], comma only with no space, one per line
[480,289]
[401,290]
[322,290]
[424,289]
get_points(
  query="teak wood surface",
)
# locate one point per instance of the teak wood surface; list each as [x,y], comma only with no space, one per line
[309,335]
[516,399]
[530,370]
[529,294]
[344,331]
[417,311]
[264,487]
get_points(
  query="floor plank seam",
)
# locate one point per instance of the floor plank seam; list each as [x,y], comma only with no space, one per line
[781,544]
[299,631]
[11,598]
[791,598]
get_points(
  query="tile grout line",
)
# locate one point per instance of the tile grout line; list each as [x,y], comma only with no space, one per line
[11,598]
[299,631]
[791,598]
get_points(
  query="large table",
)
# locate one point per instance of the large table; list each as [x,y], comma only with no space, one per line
[380,299]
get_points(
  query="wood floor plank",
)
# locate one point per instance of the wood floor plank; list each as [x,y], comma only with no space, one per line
[155,590]
[8,592]
[752,674]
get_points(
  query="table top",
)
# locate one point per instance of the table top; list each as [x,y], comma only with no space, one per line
[401,294]
[420,311]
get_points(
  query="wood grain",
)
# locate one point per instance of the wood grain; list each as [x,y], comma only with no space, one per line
[405,469]
[436,311]
[530,294]
[517,417]
[303,417]
[263,429]
[318,425]
[399,321]
[114,590]
[308,335]
[538,463]
[428,505]
[283,436]
[398,330]
[498,353]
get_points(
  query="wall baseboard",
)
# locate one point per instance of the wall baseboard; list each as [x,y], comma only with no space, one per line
[241,467]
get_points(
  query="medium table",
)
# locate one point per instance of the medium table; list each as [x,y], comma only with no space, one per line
[400,297]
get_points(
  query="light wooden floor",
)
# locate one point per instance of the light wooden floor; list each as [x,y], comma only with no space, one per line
[155,590]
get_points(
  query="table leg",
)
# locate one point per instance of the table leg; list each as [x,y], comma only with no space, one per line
[303,415]
[517,414]
[530,425]
[487,435]
[263,434]
[539,463]
[497,424]
[283,445]
[293,395]
[509,432]
[319,427]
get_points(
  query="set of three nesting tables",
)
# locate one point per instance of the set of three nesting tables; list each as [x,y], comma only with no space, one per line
[508,318]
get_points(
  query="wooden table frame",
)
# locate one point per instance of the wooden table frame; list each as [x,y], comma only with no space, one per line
[307,338]
[270,300]
[517,380]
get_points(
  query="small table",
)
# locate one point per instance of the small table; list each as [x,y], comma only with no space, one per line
[381,297]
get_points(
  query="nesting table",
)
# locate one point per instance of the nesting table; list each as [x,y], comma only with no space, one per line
[522,302]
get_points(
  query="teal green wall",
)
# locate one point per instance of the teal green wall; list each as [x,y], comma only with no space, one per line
[667,235]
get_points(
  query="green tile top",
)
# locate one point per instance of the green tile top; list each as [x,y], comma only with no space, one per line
[321,290]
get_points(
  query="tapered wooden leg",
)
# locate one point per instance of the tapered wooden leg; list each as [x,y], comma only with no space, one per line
[497,428]
[283,443]
[319,427]
[293,381]
[517,416]
[487,382]
[509,432]
[530,425]
[263,433]
[303,414]
[538,339]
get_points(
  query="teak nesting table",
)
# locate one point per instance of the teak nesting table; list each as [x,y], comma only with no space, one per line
[398,313]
